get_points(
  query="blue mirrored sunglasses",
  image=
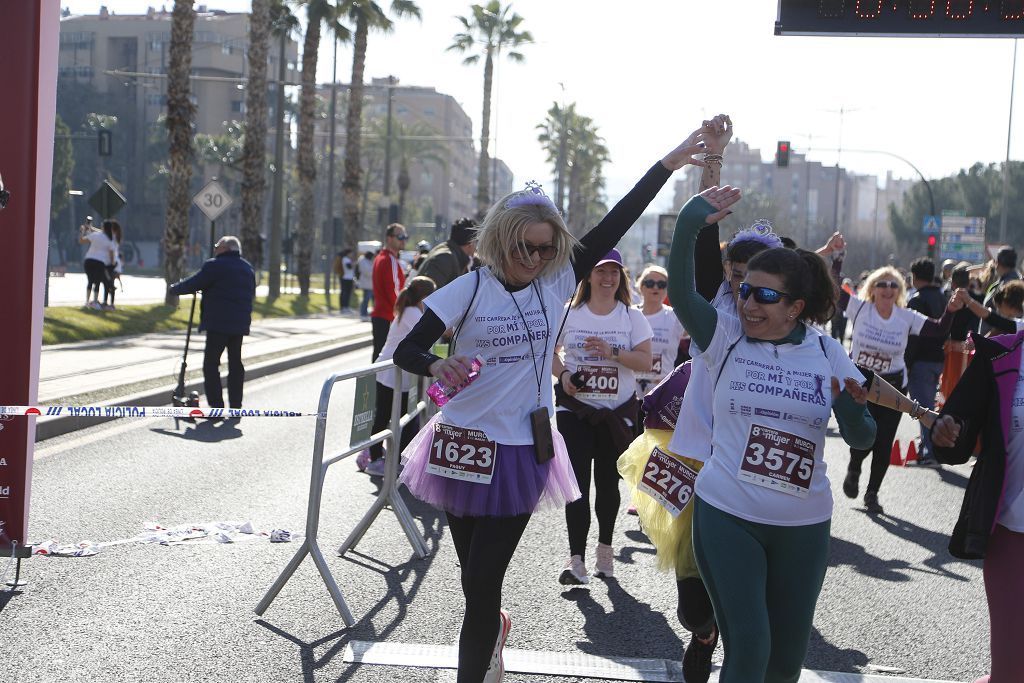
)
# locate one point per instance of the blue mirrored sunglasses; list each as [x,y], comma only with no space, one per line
[762,295]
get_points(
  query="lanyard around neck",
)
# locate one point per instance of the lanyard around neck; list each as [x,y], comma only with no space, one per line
[529,337]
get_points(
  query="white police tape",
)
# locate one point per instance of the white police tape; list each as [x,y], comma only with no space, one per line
[148,411]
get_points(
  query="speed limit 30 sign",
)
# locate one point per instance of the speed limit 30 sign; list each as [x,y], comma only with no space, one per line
[212,200]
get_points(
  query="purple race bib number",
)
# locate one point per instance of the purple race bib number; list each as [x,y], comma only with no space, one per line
[668,480]
[600,382]
[778,460]
[458,453]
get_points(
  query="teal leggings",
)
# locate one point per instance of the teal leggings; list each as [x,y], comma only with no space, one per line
[764,582]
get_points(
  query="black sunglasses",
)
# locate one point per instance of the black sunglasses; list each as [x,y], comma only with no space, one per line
[887,284]
[651,284]
[762,295]
[401,238]
[546,252]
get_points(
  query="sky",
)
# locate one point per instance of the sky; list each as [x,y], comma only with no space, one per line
[649,71]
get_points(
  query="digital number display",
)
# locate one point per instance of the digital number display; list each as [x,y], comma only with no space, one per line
[908,18]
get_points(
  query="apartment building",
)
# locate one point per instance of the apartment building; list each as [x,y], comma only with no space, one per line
[124,58]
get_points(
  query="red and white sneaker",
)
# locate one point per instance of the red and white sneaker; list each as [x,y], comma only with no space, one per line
[496,671]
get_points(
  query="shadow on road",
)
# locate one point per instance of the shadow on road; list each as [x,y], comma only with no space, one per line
[627,552]
[933,541]
[843,552]
[824,656]
[614,632]
[402,583]
[206,431]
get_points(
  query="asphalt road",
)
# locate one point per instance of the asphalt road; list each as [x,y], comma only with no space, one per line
[893,597]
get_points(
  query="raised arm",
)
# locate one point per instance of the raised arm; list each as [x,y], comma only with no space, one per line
[708,276]
[940,327]
[697,315]
[606,234]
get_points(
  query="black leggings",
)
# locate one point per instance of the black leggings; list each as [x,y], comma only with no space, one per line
[382,419]
[694,608]
[485,546]
[888,422]
[109,285]
[96,275]
[587,443]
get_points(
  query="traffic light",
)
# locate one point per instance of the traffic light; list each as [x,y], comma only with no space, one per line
[782,153]
[106,143]
[932,241]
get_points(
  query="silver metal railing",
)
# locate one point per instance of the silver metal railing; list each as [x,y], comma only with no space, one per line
[388,494]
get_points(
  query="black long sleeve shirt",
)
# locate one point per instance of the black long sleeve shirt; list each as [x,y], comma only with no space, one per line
[413,353]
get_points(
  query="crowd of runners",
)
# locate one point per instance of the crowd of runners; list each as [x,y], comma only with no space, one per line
[707,388]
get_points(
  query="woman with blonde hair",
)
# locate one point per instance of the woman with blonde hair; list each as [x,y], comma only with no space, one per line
[881,326]
[667,331]
[508,462]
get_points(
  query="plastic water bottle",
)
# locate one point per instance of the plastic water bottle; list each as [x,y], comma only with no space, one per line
[440,393]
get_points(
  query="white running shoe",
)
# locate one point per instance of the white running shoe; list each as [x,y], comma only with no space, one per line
[604,561]
[496,671]
[575,573]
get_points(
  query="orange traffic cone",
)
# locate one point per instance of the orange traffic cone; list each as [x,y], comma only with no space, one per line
[896,456]
[912,452]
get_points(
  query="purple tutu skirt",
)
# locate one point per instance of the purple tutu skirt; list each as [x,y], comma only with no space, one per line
[518,486]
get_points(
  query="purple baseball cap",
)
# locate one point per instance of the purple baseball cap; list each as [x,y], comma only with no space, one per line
[612,256]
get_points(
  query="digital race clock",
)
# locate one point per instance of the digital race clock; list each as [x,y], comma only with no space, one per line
[911,18]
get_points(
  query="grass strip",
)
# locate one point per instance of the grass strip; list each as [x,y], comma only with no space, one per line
[63,324]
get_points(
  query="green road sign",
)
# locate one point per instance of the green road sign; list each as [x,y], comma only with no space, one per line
[363,409]
[107,201]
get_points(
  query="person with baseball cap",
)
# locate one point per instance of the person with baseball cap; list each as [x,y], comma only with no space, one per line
[604,343]
[450,259]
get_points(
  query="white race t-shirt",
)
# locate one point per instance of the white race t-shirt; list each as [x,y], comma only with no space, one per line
[608,384]
[348,270]
[878,344]
[396,333]
[365,279]
[99,247]
[692,435]
[500,400]
[771,407]
[1011,515]
[667,332]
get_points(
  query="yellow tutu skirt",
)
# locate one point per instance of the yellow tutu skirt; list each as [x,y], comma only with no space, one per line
[672,536]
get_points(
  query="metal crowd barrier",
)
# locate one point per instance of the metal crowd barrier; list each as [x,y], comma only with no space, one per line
[388,494]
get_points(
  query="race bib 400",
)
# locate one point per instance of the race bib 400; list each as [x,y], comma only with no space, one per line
[668,480]
[778,460]
[458,453]
[600,382]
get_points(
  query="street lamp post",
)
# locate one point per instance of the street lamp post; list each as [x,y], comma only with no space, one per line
[1004,213]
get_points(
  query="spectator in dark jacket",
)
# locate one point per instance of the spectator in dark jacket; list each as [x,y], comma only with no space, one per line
[985,404]
[924,356]
[228,284]
[447,261]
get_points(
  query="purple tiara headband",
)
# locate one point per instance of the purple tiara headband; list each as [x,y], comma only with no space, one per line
[531,195]
[761,231]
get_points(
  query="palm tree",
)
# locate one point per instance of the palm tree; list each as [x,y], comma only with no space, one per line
[578,155]
[555,137]
[364,15]
[283,23]
[317,13]
[489,30]
[255,145]
[179,142]
[415,142]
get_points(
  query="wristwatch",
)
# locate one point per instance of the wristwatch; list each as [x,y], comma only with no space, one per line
[615,352]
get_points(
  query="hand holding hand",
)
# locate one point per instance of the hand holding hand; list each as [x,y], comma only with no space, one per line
[683,154]
[836,243]
[717,132]
[453,371]
[721,198]
[958,300]
[945,431]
